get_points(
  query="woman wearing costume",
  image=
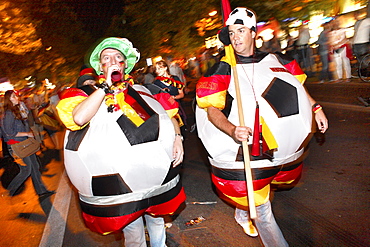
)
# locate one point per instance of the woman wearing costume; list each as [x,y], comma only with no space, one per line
[171,84]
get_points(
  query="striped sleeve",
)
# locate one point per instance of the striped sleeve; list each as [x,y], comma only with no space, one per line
[212,88]
[69,99]
[292,66]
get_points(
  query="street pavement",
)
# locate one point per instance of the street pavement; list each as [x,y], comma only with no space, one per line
[329,206]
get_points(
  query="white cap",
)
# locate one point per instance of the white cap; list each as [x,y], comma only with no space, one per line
[244,17]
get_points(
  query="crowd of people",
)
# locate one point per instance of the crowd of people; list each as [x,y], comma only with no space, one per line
[111,119]
[335,51]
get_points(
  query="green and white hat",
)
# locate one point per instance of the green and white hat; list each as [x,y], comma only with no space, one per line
[121,44]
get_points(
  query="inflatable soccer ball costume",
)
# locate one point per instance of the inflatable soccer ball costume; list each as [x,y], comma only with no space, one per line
[121,161]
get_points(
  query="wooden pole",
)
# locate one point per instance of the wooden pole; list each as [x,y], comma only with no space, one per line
[247,167]
[225,7]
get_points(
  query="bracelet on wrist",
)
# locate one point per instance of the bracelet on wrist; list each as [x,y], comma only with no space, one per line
[316,107]
[105,87]
[182,138]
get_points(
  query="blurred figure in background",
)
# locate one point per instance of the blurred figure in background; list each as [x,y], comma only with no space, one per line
[273,45]
[360,42]
[149,74]
[290,48]
[87,79]
[303,50]
[175,69]
[340,47]
[323,42]
[15,128]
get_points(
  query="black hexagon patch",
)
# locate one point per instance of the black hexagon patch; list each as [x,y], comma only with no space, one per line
[282,97]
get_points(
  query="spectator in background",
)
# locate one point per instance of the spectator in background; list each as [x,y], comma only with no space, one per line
[35,122]
[323,42]
[167,81]
[273,45]
[360,43]
[149,74]
[87,79]
[4,146]
[176,70]
[303,50]
[339,45]
[5,83]
[171,84]
[207,61]
[15,129]
[264,44]
[290,48]
[194,68]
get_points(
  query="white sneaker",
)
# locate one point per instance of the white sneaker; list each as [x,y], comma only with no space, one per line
[250,229]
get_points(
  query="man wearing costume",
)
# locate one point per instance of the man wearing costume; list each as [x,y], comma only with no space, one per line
[277,113]
[122,149]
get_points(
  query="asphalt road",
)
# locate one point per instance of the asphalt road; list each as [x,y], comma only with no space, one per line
[328,207]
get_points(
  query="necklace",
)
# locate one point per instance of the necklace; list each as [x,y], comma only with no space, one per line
[118,93]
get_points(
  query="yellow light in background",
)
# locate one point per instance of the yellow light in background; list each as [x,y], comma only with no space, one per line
[267,34]
[157,59]
[259,43]
[283,44]
[5,86]
[350,32]
[212,13]
[48,84]
[294,33]
[315,26]
[48,48]
[212,41]
[349,6]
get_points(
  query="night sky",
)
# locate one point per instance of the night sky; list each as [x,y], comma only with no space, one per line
[96,15]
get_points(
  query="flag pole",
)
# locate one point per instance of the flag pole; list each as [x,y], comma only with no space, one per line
[246,158]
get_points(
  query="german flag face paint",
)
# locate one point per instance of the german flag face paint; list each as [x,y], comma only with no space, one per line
[122,63]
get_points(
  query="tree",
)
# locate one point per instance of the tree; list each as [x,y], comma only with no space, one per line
[65,42]
[17,37]
[40,38]
[162,27]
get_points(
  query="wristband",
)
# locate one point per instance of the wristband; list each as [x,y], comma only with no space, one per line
[105,87]
[316,107]
[182,138]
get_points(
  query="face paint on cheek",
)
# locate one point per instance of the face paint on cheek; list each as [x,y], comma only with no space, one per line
[104,65]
